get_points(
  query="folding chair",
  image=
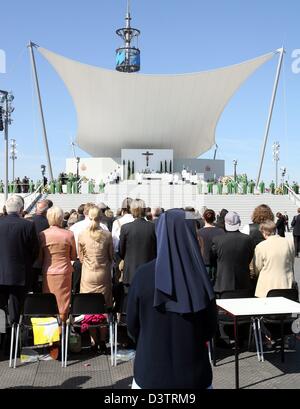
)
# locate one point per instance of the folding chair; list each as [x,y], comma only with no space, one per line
[283,321]
[36,305]
[88,304]
[119,320]
[225,319]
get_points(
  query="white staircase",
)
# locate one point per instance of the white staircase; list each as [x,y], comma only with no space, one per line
[157,193]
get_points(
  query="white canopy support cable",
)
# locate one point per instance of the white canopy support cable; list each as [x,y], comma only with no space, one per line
[138,111]
[285,114]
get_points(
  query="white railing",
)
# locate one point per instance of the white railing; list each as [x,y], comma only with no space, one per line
[292,196]
[31,199]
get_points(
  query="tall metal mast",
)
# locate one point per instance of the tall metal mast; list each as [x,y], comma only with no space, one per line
[128,56]
[30,46]
[281,52]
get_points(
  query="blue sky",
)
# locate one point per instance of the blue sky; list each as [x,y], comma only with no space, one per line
[177,36]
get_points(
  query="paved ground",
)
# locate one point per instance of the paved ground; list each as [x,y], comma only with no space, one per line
[88,371]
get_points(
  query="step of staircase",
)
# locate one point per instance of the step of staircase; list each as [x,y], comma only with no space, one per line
[170,196]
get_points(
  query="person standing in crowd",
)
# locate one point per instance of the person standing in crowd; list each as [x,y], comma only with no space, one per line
[221,219]
[76,229]
[58,249]
[206,235]
[280,224]
[296,188]
[65,221]
[137,241]
[108,221]
[286,221]
[39,219]
[171,311]
[126,217]
[41,223]
[19,248]
[157,212]
[80,212]
[73,219]
[262,187]
[251,186]
[296,232]
[95,252]
[274,261]
[260,214]
[233,253]
[272,187]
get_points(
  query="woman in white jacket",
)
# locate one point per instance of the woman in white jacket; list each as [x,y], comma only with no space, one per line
[274,261]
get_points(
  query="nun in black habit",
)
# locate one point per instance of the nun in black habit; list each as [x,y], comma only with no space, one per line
[171,310]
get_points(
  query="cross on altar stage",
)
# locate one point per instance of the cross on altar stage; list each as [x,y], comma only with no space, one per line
[147,154]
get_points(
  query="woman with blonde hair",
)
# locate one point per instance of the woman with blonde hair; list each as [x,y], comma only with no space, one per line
[274,261]
[58,249]
[95,251]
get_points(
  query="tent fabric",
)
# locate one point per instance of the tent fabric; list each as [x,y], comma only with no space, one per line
[138,111]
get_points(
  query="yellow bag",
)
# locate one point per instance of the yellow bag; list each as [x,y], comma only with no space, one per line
[45,330]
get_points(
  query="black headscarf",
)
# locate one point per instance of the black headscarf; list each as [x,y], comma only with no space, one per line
[182,284]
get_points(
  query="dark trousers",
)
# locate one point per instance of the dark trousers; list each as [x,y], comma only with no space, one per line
[76,277]
[297,245]
[13,296]
[35,284]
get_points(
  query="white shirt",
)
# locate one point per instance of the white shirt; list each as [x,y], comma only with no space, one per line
[79,227]
[245,229]
[116,229]
[176,178]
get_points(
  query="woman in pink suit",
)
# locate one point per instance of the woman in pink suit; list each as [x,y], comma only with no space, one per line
[58,249]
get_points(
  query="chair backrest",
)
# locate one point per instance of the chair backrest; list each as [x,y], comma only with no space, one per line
[92,303]
[244,293]
[290,293]
[40,305]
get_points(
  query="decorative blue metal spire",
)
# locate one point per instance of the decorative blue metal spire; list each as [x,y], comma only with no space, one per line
[128,56]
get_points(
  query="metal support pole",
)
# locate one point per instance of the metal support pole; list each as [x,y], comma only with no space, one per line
[30,46]
[234,169]
[13,168]
[276,174]
[281,51]
[6,149]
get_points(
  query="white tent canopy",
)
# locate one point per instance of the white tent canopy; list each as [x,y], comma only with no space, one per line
[136,111]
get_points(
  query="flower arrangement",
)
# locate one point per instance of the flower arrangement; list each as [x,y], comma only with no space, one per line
[225,180]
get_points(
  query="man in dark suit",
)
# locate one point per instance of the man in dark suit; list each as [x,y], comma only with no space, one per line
[41,223]
[233,252]
[137,241]
[296,232]
[39,219]
[108,221]
[19,249]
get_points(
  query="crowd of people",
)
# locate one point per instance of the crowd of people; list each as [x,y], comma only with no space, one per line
[164,268]
[72,184]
